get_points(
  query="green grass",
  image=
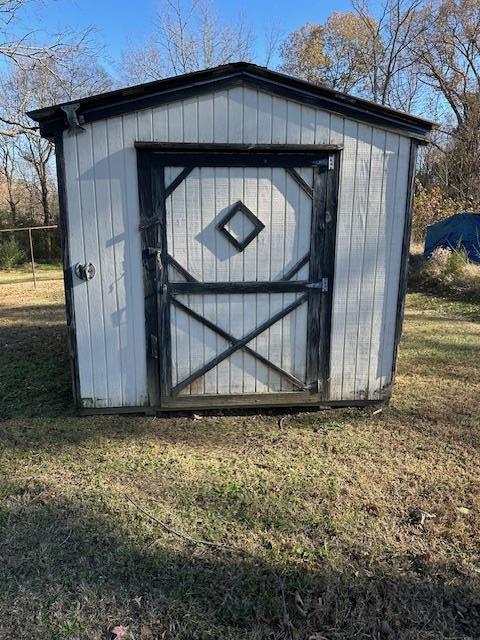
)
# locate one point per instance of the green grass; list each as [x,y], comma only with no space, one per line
[324,509]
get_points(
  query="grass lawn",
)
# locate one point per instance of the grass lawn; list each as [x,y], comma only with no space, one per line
[341,524]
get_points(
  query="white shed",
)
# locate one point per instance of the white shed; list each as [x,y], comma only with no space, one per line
[232,237]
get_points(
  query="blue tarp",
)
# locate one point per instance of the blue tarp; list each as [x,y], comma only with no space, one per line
[461,229]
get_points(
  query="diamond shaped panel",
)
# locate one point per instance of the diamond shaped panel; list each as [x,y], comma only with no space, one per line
[240,225]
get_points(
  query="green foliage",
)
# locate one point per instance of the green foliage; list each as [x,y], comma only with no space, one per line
[457,261]
[11,254]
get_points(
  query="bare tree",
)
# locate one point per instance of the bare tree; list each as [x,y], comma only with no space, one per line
[450,54]
[19,47]
[368,53]
[143,64]
[273,36]
[187,36]
[23,89]
[8,173]
[394,32]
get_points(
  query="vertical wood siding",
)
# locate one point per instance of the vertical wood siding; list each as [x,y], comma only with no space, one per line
[102,200]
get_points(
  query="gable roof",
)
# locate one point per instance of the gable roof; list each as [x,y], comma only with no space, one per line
[120,101]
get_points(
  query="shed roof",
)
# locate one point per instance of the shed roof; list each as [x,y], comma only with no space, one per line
[120,101]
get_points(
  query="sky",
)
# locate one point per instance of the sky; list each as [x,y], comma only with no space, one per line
[119,22]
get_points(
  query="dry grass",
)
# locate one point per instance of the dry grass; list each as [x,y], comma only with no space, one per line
[446,273]
[347,524]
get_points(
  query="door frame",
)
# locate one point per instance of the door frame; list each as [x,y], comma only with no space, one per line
[152,158]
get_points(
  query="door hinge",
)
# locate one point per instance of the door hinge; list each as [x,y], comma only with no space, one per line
[153,346]
[331,162]
[322,285]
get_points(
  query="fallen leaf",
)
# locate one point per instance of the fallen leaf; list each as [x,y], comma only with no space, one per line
[145,632]
[463,510]
[119,632]
[317,636]
[195,417]
[372,508]
[418,516]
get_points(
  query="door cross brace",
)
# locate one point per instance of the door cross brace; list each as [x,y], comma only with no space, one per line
[238,344]
[221,332]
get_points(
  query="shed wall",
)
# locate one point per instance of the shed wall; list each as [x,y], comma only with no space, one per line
[102,201]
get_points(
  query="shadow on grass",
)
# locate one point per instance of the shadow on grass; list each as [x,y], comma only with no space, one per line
[27,278]
[449,319]
[34,315]
[468,305]
[34,370]
[73,568]
[439,351]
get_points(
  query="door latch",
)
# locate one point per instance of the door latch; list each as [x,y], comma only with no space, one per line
[322,285]
[85,271]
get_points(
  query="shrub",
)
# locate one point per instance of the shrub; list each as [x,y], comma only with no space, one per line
[431,205]
[444,272]
[11,254]
[456,262]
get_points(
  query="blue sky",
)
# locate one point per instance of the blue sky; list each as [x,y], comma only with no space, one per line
[121,21]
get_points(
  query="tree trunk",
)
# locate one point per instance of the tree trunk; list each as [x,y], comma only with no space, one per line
[11,202]
[47,220]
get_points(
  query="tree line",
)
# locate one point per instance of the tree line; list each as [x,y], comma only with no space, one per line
[421,56]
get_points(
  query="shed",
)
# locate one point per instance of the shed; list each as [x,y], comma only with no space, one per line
[232,237]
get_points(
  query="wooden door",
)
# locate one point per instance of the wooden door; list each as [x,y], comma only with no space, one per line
[244,275]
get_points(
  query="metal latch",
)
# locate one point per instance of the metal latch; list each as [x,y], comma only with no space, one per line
[331,162]
[322,285]
[153,346]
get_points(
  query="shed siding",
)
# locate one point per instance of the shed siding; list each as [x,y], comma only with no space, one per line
[102,200]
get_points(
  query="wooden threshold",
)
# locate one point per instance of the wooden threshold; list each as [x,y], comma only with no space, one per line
[248,401]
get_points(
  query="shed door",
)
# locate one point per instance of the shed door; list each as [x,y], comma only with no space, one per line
[244,280]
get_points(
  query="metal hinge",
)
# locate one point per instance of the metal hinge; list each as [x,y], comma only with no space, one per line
[331,162]
[154,346]
[146,223]
[322,285]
